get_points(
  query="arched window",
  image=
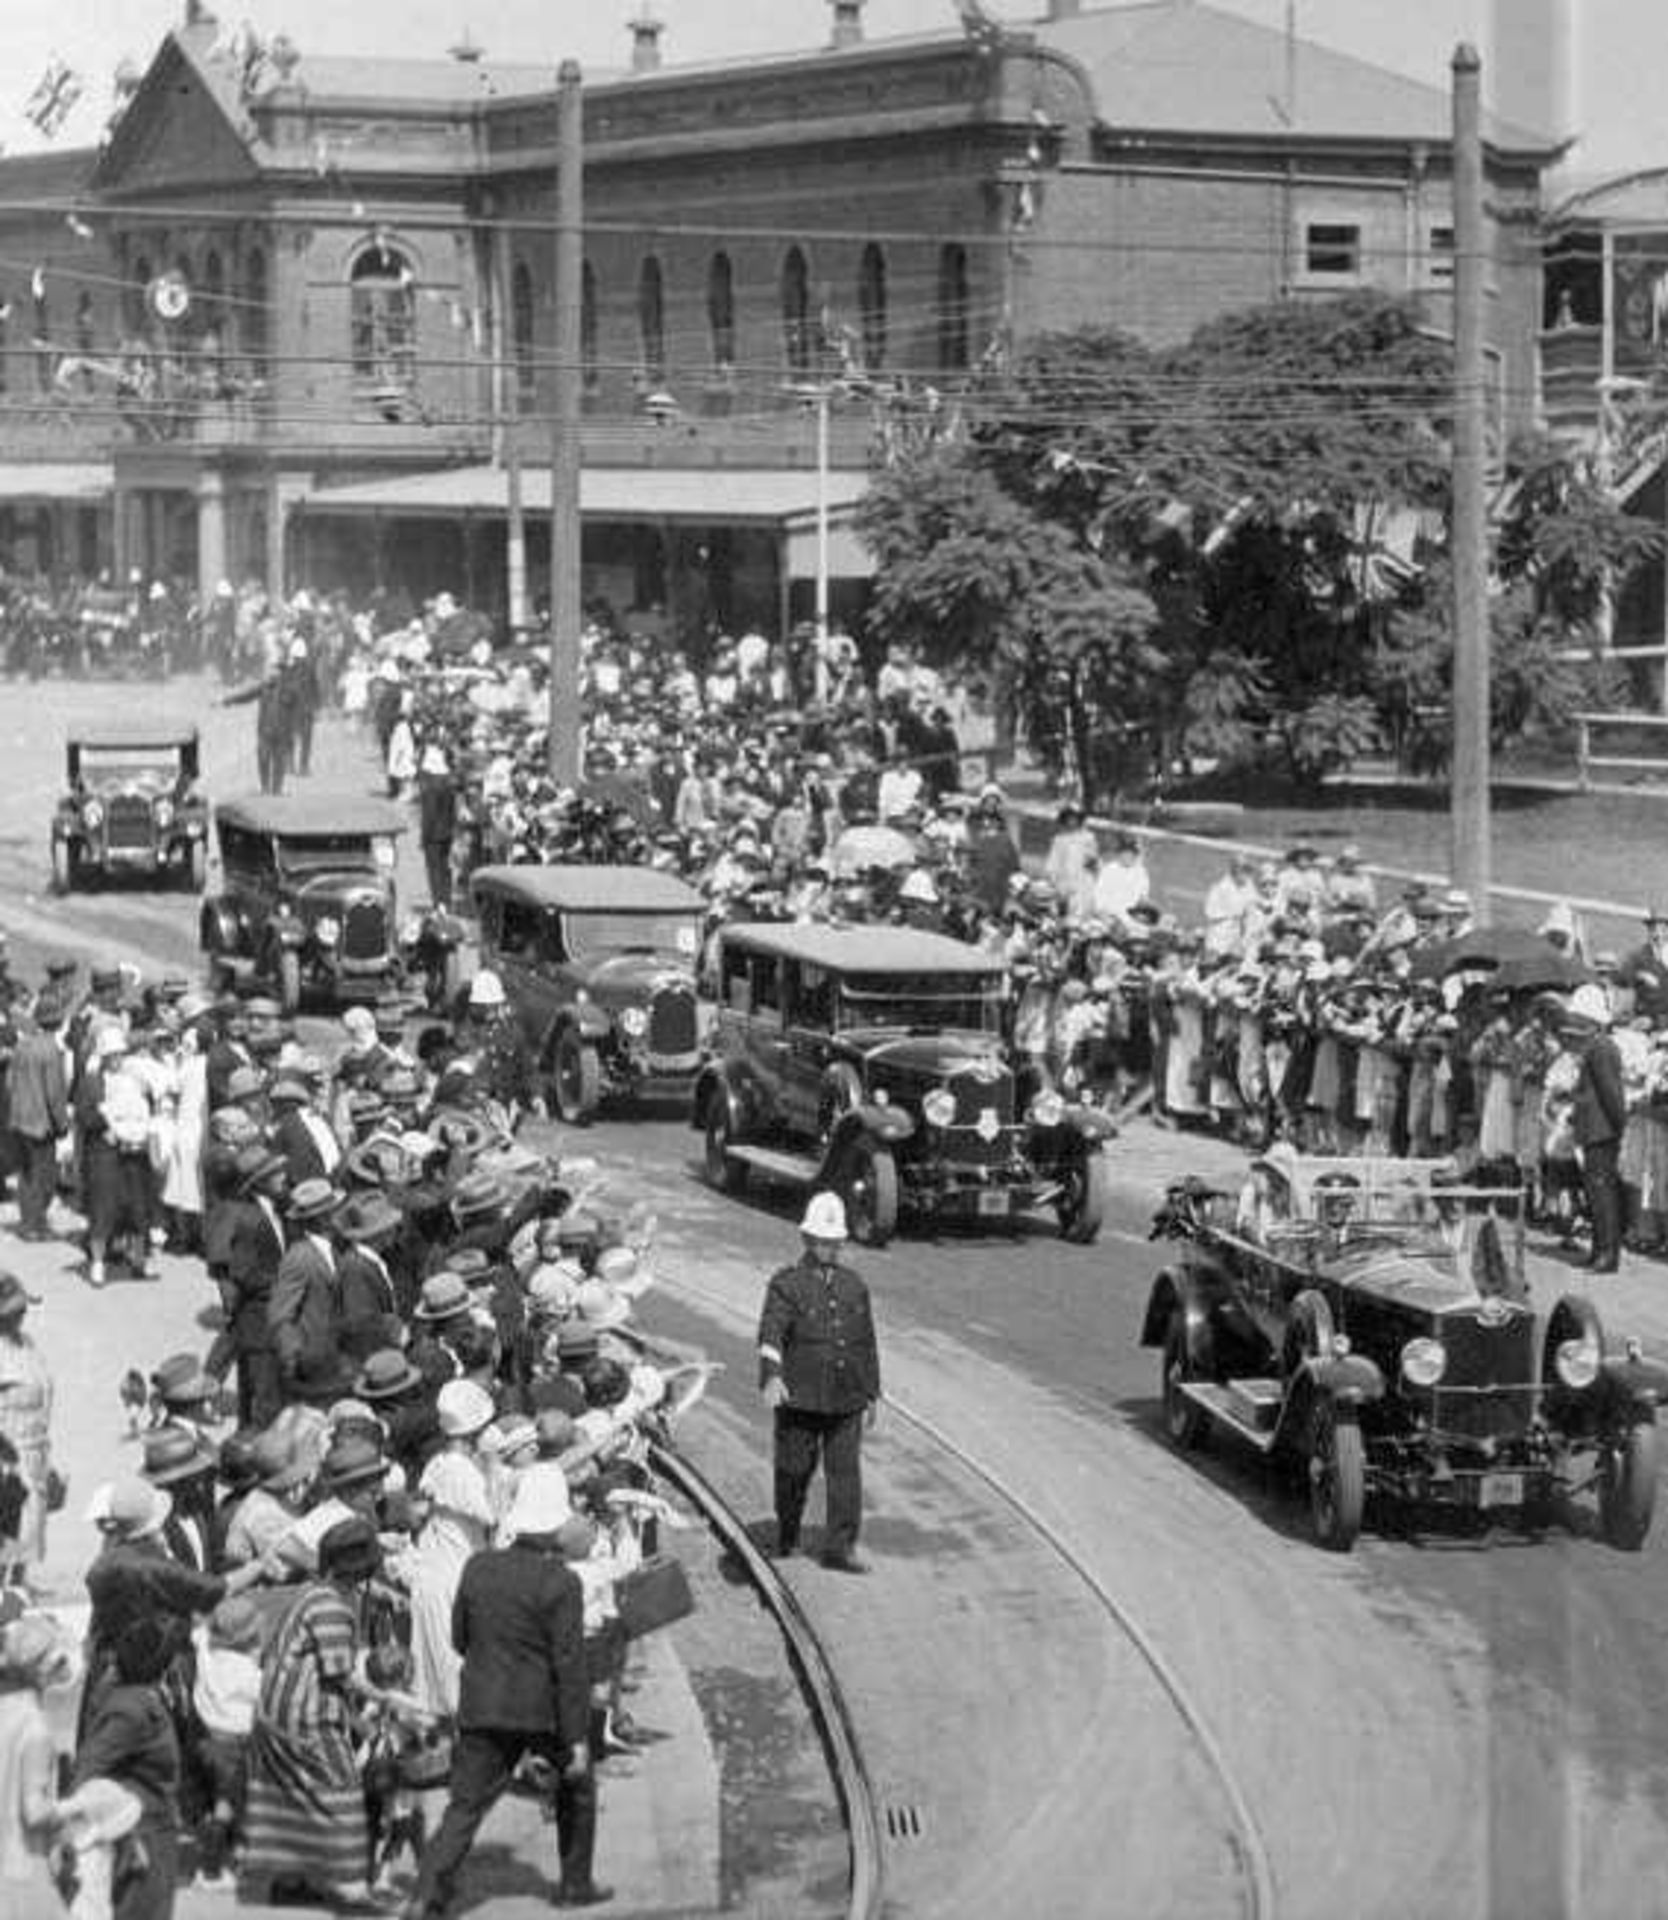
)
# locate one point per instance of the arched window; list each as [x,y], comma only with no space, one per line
[383,317]
[796,312]
[954,336]
[871,306]
[651,318]
[256,321]
[721,311]
[588,360]
[521,331]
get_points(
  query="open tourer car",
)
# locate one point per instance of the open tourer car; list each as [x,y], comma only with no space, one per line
[1369,1319]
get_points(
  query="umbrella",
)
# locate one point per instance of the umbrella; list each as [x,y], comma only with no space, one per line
[1518,959]
[860,848]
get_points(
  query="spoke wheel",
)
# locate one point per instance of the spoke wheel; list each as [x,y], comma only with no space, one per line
[723,1171]
[871,1194]
[1185,1421]
[1627,1487]
[577,1079]
[1337,1480]
[1085,1196]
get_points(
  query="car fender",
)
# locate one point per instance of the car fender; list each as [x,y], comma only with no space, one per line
[1196,1291]
[870,1121]
[594,1023]
[1634,1386]
[1347,1379]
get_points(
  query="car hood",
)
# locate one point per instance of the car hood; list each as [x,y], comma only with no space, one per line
[932,1056]
[327,888]
[617,977]
[1428,1285]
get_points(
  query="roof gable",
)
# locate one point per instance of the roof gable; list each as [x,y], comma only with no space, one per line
[182,129]
[1183,65]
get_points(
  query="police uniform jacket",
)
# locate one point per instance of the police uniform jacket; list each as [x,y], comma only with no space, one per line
[817,1332]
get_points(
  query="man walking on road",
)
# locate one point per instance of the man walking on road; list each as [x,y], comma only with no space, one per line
[1600,1119]
[519,1623]
[819,1371]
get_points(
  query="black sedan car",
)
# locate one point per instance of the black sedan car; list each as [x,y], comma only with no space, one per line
[1369,1320]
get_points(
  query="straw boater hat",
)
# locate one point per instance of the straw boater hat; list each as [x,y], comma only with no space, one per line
[387,1373]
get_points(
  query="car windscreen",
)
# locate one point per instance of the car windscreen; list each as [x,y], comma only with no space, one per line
[334,853]
[127,767]
[930,1001]
[618,930]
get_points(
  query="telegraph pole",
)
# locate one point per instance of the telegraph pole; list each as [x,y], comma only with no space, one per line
[565,744]
[1470,791]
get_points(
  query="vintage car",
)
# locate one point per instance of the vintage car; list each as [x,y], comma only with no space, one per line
[306,899]
[1368,1320]
[599,965]
[872,1060]
[132,806]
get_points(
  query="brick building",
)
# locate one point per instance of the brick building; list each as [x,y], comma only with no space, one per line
[306,313]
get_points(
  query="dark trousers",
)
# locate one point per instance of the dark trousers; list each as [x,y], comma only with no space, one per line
[836,1439]
[482,1763]
[437,863]
[260,1392]
[1600,1163]
[37,1178]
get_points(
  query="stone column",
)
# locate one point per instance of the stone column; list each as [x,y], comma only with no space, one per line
[211,534]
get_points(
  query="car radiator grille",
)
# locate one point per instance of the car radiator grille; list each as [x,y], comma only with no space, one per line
[1500,1359]
[364,931]
[974,1097]
[672,1022]
[128,823]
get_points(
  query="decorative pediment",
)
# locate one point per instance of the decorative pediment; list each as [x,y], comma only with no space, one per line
[179,131]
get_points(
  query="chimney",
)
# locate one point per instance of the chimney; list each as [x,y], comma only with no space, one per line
[645,42]
[848,24]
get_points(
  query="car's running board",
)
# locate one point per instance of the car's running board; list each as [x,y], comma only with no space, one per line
[774,1164]
[1234,1407]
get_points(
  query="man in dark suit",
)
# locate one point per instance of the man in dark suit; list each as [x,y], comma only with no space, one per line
[229,1051]
[369,1298]
[518,1622]
[301,1135]
[304,1312]
[1599,1118]
[39,1112]
[254,1241]
[819,1371]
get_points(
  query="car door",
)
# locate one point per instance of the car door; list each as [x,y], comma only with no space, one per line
[808,1044]
[520,947]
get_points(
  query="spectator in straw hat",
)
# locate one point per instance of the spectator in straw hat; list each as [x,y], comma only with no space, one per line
[460,1523]
[819,1371]
[303,1311]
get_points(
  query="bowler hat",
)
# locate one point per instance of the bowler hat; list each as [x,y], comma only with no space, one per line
[353,1460]
[171,1453]
[312,1200]
[387,1373]
[366,1217]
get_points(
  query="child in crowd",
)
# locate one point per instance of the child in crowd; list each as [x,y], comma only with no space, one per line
[223,1695]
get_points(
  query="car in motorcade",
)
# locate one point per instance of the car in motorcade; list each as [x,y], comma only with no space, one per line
[875,1061]
[598,963]
[131,806]
[1368,1321]
[306,901]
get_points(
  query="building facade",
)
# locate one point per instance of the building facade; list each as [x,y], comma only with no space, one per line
[299,313]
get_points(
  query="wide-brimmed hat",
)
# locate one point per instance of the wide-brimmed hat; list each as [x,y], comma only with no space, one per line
[172,1454]
[35,1652]
[463,1408]
[366,1216]
[599,1306]
[136,1507]
[350,1550]
[551,1288]
[477,1192]
[386,1373]
[444,1294]
[472,1264]
[256,1165]
[353,1460]
[278,1463]
[182,1380]
[824,1218]
[244,1083]
[290,1093]
[313,1199]
[508,1436]
[541,1505]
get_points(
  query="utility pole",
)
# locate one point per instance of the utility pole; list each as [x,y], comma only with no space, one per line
[565,744]
[1470,790]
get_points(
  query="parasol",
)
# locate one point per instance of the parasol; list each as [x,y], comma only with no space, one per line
[1518,960]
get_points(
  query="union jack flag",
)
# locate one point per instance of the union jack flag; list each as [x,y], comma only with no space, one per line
[55,95]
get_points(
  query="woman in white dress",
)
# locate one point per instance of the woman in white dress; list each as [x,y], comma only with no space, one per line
[460,1520]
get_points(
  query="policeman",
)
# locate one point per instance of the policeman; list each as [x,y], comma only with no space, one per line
[819,1372]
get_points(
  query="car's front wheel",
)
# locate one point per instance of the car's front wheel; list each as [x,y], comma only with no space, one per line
[64,865]
[1627,1487]
[1185,1421]
[870,1190]
[1085,1196]
[1337,1479]
[576,1079]
[722,1169]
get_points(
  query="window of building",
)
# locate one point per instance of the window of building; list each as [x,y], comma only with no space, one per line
[588,326]
[721,312]
[871,306]
[255,317]
[383,317]
[955,345]
[796,312]
[651,319]
[1333,249]
[1439,257]
[521,331]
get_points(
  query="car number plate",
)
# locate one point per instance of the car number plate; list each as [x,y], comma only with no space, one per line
[1500,1490]
[993,1200]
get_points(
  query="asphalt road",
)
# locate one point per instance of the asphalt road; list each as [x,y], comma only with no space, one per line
[1450,1726]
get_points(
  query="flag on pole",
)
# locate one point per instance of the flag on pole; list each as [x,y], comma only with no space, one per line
[54,97]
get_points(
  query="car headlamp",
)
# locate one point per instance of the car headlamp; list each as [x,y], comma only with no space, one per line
[1576,1363]
[939,1107]
[1424,1362]
[92,813]
[635,1021]
[164,811]
[327,929]
[1048,1109]
[411,930]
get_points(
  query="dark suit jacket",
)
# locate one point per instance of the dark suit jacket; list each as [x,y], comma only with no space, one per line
[292,1139]
[817,1331]
[367,1298]
[254,1252]
[1600,1108]
[39,1087]
[304,1311]
[518,1622]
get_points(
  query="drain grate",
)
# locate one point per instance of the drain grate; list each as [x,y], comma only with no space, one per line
[903,1823]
